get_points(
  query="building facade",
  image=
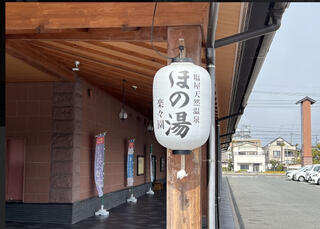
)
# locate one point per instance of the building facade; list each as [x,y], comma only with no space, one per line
[53,125]
[281,150]
[248,155]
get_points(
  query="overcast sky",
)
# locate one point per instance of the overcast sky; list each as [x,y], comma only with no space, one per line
[290,72]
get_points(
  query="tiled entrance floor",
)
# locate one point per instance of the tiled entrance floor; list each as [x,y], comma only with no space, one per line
[148,212]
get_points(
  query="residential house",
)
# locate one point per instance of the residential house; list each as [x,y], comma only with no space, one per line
[281,150]
[248,155]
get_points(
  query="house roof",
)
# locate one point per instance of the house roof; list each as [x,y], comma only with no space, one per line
[276,140]
[247,143]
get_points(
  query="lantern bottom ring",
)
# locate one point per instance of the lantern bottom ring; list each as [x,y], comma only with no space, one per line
[181,152]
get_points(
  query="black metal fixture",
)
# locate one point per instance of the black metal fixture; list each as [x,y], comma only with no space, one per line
[241,110]
[123,115]
[150,126]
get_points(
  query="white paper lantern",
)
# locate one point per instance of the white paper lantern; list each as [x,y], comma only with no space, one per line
[182,106]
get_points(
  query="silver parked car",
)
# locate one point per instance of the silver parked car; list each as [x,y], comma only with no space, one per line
[301,175]
[290,173]
[315,178]
[315,169]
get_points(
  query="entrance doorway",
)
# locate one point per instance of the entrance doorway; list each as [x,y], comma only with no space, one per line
[15,154]
[256,168]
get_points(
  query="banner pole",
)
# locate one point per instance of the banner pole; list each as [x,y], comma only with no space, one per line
[150,192]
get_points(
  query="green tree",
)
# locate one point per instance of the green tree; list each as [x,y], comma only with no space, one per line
[274,164]
[316,155]
[279,167]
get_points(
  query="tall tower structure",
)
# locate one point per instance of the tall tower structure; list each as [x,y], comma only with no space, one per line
[306,154]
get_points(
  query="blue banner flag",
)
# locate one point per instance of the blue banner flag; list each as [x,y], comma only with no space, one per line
[130,163]
[99,163]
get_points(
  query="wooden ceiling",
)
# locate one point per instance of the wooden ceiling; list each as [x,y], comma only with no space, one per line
[20,71]
[112,43]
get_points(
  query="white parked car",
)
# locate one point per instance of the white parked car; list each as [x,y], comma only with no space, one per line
[315,169]
[301,175]
[315,178]
[290,173]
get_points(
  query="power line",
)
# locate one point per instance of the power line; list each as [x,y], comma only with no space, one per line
[279,104]
[287,107]
[286,93]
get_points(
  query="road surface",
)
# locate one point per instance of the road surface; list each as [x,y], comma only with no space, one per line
[275,202]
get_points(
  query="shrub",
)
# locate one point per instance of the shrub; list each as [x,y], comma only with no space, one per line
[279,167]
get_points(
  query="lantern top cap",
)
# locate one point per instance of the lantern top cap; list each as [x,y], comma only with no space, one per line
[178,59]
[312,101]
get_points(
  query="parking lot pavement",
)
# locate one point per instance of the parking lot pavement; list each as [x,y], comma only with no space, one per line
[275,202]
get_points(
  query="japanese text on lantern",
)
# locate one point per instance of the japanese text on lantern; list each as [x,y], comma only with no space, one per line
[196,101]
[178,122]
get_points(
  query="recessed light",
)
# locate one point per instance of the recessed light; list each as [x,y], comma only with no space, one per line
[134,87]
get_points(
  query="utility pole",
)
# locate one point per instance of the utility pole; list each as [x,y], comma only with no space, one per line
[291,137]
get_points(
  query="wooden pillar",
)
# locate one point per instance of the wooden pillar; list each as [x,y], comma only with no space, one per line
[183,196]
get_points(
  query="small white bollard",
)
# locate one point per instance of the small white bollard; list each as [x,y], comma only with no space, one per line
[132,199]
[150,192]
[102,212]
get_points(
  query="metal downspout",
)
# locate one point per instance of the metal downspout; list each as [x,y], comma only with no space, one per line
[213,17]
[219,172]
[251,34]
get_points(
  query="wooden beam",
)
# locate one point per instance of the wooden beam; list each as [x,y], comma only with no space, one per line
[72,15]
[101,75]
[105,66]
[108,55]
[183,196]
[149,46]
[142,107]
[110,46]
[140,94]
[136,58]
[107,34]
[91,71]
[88,54]
[39,60]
